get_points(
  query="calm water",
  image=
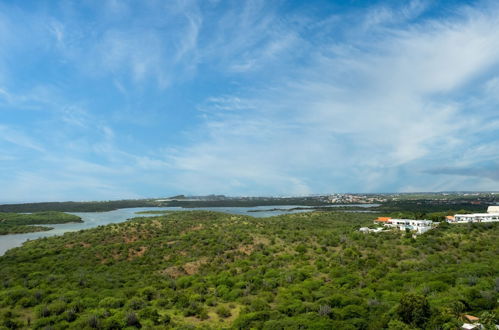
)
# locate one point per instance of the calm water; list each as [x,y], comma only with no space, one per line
[94,219]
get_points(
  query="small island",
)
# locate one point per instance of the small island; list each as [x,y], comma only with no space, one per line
[19,223]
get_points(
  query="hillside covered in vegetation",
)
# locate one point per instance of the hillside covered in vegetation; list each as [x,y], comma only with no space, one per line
[17,223]
[209,270]
[103,206]
[95,206]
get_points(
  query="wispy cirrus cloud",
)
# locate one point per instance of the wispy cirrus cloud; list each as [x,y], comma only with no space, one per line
[17,137]
[252,97]
[359,119]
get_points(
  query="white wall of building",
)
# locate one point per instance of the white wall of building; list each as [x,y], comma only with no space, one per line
[476,217]
[420,226]
[493,209]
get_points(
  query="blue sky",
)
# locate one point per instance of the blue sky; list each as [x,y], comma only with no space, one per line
[130,99]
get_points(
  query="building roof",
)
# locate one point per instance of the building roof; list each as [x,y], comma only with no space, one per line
[471,318]
[449,217]
[383,219]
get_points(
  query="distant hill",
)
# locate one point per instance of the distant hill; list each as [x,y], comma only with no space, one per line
[102,206]
[97,206]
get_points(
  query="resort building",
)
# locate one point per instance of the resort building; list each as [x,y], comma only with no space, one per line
[492,215]
[419,226]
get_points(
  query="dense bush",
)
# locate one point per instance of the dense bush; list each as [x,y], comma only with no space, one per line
[17,223]
[212,270]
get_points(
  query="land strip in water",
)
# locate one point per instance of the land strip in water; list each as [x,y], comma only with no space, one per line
[18,223]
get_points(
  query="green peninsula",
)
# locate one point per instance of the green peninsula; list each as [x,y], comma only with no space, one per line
[17,223]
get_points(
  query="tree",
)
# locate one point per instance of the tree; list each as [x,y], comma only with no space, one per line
[414,309]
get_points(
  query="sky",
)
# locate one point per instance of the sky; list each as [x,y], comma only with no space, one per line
[113,99]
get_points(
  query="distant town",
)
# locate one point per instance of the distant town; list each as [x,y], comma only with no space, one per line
[351,198]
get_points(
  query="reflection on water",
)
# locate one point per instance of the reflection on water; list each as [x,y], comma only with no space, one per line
[94,219]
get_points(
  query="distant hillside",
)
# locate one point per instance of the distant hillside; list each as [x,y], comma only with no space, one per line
[77,206]
[102,206]
[415,203]
[213,271]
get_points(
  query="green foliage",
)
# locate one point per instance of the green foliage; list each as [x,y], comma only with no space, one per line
[214,271]
[17,223]
[7,229]
[414,309]
[430,208]
[111,302]
[223,311]
[398,325]
[102,206]
[78,206]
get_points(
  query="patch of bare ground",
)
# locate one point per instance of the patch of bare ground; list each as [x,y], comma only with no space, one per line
[192,267]
[134,253]
[189,268]
[246,249]
[194,228]
[116,255]
[82,244]
[173,271]
[157,223]
[130,238]
[194,320]
[249,248]
[258,239]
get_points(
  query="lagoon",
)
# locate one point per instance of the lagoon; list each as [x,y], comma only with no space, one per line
[94,219]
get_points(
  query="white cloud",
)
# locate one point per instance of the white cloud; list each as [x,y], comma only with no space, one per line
[45,186]
[371,100]
[19,138]
[400,103]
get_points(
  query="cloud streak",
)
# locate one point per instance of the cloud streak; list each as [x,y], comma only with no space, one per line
[354,118]
[253,98]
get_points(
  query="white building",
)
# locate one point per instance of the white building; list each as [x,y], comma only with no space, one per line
[475,217]
[493,209]
[492,215]
[420,226]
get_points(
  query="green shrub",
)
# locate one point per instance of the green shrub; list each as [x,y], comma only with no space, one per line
[223,311]
[111,302]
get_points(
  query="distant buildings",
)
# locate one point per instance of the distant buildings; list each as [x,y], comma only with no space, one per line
[356,199]
[492,215]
